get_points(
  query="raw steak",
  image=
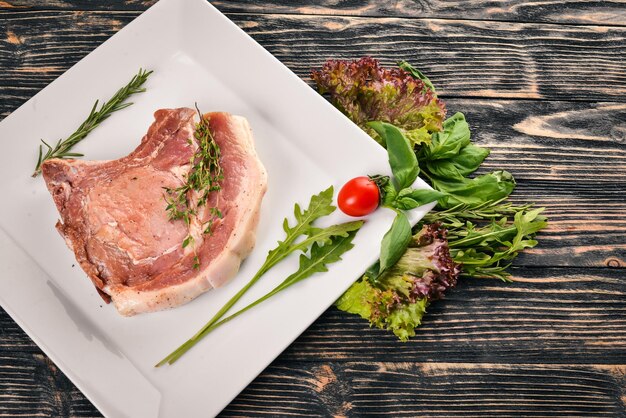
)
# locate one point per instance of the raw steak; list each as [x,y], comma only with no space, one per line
[113,214]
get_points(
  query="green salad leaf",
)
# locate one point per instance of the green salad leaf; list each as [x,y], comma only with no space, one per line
[402,159]
[473,230]
[486,188]
[484,239]
[397,300]
[462,165]
[365,91]
[450,158]
[448,143]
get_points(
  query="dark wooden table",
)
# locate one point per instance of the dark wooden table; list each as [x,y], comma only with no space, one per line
[543,84]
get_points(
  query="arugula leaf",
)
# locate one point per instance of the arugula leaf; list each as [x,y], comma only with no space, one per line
[409,198]
[402,159]
[320,205]
[325,235]
[321,255]
[395,242]
[482,250]
[318,260]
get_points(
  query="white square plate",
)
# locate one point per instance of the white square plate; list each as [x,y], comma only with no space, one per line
[197,55]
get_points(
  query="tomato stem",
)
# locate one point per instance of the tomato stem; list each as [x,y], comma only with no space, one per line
[381,181]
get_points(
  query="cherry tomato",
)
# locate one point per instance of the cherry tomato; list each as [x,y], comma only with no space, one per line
[359,197]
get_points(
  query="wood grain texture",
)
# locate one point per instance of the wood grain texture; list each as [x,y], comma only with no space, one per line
[572,11]
[548,99]
[548,315]
[576,11]
[434,390]
[356,388]
[31,385]
[463,58]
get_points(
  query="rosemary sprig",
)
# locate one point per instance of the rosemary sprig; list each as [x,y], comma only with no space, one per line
[205,177]
[63,147]
[459,214]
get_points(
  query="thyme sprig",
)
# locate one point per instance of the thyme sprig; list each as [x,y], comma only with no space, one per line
[63,147]
[204,177]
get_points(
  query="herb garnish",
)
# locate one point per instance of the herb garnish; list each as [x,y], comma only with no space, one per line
[473,230]
[205,177]
[321,255]
[484,239]
[398,195]
[325,245]
[63,147]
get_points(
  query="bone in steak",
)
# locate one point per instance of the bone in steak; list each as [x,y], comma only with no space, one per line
[113,214]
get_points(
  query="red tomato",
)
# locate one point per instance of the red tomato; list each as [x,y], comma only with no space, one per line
[359,197]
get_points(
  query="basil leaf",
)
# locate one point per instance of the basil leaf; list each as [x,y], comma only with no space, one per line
[448,143]
[463,164]
[402,159]
[389,195]
[416,74]
[482,189]
[412,198]
[395,242]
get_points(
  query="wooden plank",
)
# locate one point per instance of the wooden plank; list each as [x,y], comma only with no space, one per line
[79,5]
[572,11]
[433,389]
[547,315]
[586,224]
[410,389]
[32,386]
[463,58]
